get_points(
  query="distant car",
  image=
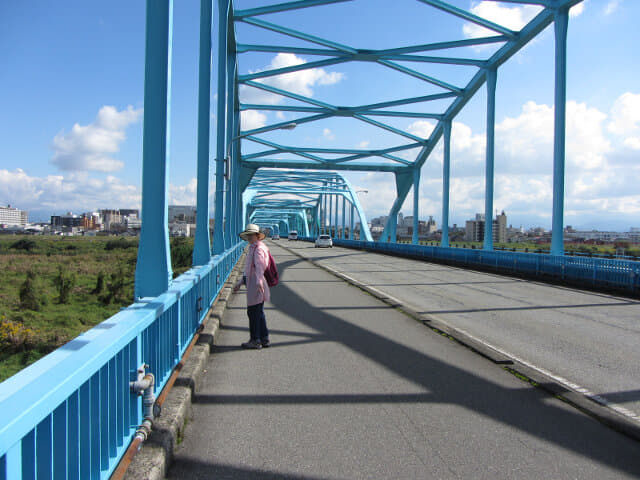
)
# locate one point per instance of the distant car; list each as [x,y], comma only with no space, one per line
[293,235]
[324,241]
[275,236]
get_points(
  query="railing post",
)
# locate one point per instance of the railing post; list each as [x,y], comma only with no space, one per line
[416,199]
[491,120]
[153,268]
[446,169]
[223,23]
[202,245]
[557,234]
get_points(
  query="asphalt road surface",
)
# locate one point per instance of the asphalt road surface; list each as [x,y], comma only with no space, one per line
[588,340]
[353,389]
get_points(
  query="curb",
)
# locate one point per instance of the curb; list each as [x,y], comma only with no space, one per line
[154,458]
[593,407]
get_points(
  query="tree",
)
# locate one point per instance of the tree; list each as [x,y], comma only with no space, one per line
[64,282]
[28,297]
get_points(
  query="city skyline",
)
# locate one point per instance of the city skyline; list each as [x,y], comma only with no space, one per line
[73,143]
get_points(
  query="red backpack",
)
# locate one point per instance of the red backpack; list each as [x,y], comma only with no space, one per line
[271,272]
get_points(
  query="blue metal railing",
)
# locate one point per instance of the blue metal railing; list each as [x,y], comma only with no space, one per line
[594,272]
[71,414]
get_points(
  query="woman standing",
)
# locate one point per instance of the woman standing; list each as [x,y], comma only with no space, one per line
[257,289]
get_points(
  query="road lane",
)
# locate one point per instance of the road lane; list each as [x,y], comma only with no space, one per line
[589,339]
[352,388]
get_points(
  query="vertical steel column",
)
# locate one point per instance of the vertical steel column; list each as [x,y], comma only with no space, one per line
[416,199]
[329,214]
[223,23]
[229,210]
[324,215]
[393,227]
[446,170]
[202,245]
[153,269]
[351,223]
[335,215]
[557,225]
[491,121]
[344,214]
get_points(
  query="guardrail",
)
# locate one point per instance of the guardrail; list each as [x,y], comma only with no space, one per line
[71,414]
[592,272]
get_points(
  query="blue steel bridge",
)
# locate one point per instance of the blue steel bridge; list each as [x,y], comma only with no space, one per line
[72,415]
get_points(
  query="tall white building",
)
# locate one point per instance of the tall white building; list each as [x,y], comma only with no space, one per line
[13,216]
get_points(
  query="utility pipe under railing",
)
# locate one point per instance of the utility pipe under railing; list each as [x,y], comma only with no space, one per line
[144,386]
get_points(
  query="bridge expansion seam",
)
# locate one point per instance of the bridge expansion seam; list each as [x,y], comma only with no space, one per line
[607,413]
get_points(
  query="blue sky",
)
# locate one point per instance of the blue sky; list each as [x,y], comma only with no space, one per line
[71,90]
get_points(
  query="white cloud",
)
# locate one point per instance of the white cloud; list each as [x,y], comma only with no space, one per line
[184,194]
[601,168]
[326,133]
[72,192]
[577,9]
[625,120]
[363,144]
[89,147]
[611,7]
[250,119]
[301,82]
[513,18]
[421,128]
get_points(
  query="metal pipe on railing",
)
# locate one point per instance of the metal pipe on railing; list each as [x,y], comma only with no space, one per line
[144,386]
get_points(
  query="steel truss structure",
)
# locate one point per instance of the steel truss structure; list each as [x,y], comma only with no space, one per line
[235,167]
[307,202]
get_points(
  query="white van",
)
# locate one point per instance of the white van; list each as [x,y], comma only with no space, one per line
[293,235]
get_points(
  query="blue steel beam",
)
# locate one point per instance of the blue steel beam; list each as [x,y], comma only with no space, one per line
[218,234]
[458,12]
[282,7]
[153,268]
[528,32]
[490,147]
[557,227]
[202,245]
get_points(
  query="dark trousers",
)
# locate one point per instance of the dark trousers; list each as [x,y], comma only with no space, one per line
[257,322]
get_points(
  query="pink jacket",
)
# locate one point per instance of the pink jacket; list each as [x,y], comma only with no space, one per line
[257,262]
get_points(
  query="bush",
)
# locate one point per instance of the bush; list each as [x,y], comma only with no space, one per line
[120,243]
[181,253]
[14,336]
[64,282]
[115,287]
[99,284]
[28,297]
[24,244]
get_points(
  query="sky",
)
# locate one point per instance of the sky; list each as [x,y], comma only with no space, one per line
[71,97]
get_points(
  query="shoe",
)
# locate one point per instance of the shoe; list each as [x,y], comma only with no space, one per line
[252,345]
[265,343]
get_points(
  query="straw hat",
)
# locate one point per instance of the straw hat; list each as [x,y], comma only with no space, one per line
[252,228]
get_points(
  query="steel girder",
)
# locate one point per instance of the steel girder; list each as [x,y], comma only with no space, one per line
[295,197]
[397,158]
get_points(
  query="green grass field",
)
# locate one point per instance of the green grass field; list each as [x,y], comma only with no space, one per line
[30,329]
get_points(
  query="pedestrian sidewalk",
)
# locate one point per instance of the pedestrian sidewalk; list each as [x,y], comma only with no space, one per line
[352,388]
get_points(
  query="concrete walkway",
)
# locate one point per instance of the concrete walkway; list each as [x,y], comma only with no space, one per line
[352,388]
